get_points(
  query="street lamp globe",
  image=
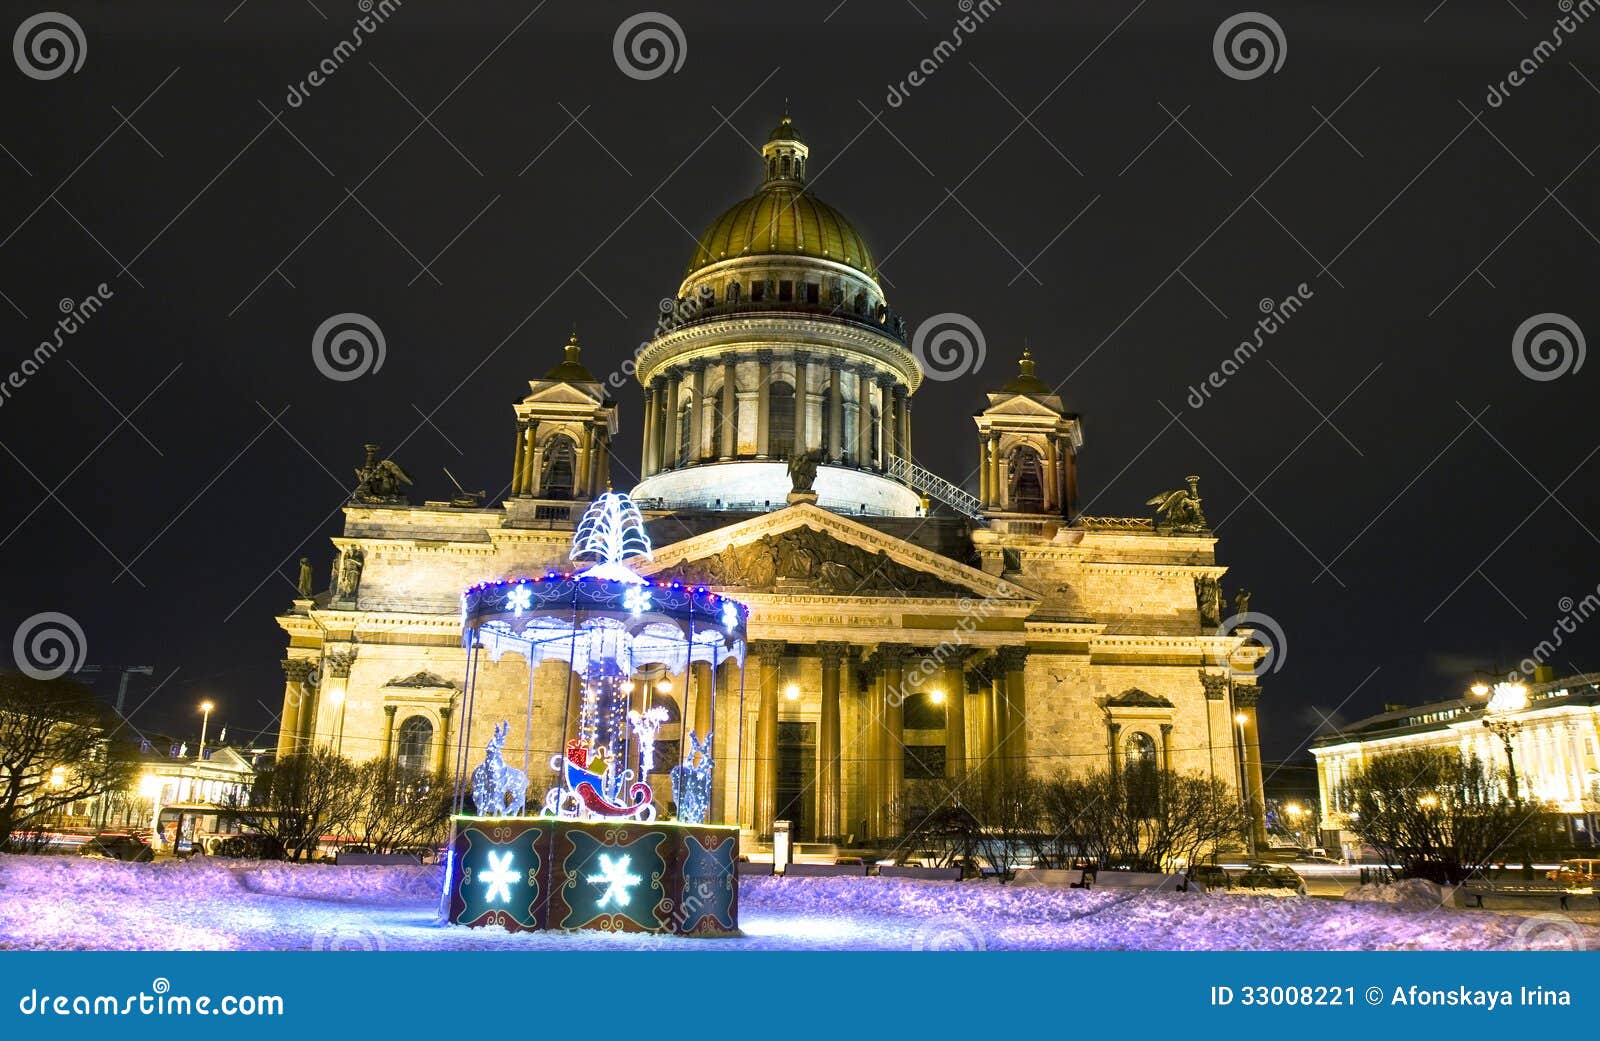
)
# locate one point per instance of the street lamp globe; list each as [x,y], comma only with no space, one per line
[1509,697]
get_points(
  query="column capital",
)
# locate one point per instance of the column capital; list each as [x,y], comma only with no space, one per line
[764,355]
[902,393]
[802,357]
[1245,695]
[1166,728]
[1216,685]
[339,663]
[769,651]
[444,714]
[1114,727]
[1011,659]
[832,653]
[886,380]
[698,365]
[389,710]
[298,670]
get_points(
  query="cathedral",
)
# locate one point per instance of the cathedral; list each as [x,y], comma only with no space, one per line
[907,637]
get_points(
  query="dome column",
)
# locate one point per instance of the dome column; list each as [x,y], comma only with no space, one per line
[863,417]
[885,445]
[671,450]
[902,421]
[648,462]
[763,403]
[835,411]
[697,413]
[730,403]
[802,397]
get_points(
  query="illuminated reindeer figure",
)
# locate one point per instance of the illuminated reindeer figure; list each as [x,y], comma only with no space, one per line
[498,790]
[691,782]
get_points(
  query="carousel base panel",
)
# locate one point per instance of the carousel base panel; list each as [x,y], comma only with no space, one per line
[619,876]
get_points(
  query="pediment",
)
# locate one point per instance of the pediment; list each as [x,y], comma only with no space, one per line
[423,681]
[805,548]
[1021,405]
[560,392]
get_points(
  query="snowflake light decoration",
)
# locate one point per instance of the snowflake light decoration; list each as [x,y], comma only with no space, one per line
[519,599]
[617,879]
[636,599]
[499,877]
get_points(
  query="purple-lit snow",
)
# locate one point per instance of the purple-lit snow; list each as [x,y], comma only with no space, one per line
[76,903]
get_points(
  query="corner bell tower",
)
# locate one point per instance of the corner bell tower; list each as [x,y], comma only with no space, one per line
[1028,450]
[564,431]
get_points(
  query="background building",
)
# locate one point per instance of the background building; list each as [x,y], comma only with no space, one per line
[1555,740]
[903,629]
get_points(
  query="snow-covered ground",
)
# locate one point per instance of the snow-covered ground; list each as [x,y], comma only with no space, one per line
[70,902]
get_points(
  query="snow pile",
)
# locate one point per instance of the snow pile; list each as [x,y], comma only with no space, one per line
[1413,894]
[77,903]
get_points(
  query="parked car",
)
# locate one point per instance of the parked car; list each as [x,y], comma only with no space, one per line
[1579,876]
[1271,876]
[1211,876]
[117,846]
[249,846]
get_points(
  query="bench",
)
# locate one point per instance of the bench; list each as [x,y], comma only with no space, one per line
[377,859]
[1563,896]
[936,874]
[826,870]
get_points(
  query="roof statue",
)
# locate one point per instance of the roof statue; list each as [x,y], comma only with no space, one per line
[379,481]
[1179,510]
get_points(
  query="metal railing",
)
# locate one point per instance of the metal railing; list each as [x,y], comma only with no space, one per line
[935,487]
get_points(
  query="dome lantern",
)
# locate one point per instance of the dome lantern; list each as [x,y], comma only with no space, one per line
[784,154]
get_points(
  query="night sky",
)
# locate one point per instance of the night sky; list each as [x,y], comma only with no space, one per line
[1398,495]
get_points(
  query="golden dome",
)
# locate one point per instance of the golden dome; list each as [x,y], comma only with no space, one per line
[783,217]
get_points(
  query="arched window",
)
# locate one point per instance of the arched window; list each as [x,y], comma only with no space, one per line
[560,468]
[1139,768]
[780,421]
[1027,481]
[861,302]
[416,734]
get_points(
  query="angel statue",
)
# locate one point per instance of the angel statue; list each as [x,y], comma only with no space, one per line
[379,481]
[802,471]
[1179,510]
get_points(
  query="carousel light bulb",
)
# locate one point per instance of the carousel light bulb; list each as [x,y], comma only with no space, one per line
[664,685]
[626,687]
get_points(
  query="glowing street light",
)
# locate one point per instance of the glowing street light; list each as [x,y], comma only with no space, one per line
[936,696]
[792,692]
[1508,699]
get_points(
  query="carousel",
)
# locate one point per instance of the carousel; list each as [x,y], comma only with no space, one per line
[601,850]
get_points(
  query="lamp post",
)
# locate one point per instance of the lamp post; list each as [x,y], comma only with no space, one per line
[1505,702]
[205,721]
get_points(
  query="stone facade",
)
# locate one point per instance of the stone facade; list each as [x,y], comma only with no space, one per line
[903,629]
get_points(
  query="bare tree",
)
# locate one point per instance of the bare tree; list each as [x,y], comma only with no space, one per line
[55,751]
[398,809]
[1143,819]
[300,799]
[1438,814]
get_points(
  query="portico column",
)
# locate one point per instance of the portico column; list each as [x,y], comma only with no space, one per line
[1052,480]
[697,414]
[1015,740]
[829,773]
[730,402]
[700,695]
[955,718]
[835,411]
[442,741]
[894,759]
[296,671]
[1113,732]
[388,732]
[997,487]
[336,681]
[580,480]
[763,403]
[994,710]
[1245,697]
[802,378]
[770,653]
[872,746]
[985,493]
